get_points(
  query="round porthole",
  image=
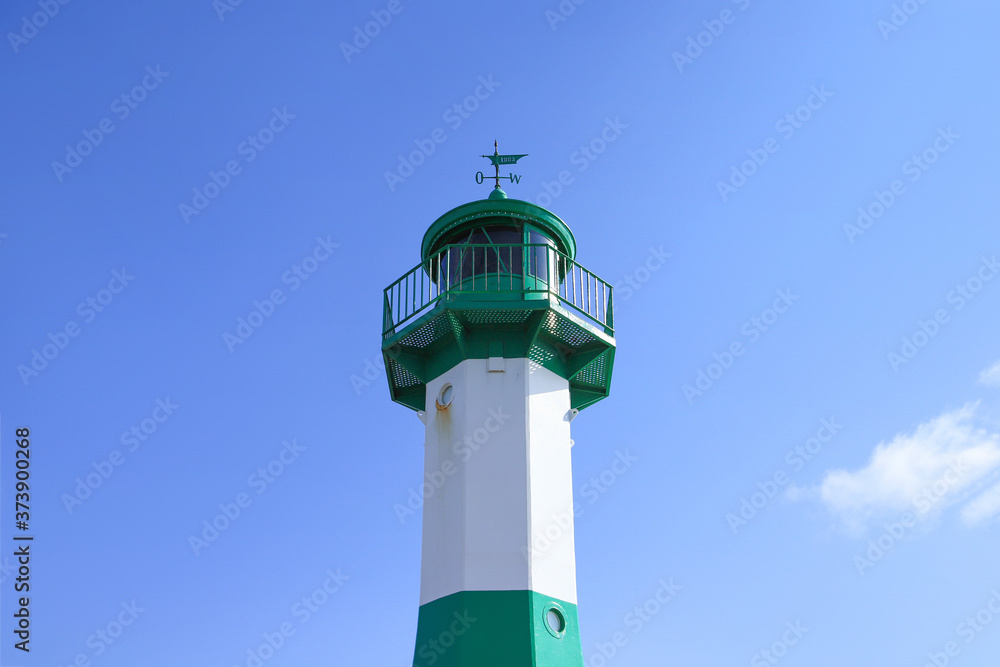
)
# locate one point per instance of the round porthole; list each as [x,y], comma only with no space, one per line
[555,621]
[446,396]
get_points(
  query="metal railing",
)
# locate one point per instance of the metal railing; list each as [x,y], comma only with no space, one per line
[516,270]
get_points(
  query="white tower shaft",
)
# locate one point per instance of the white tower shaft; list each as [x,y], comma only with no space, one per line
[503,516]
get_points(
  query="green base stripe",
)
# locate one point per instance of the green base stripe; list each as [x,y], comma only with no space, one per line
[498,629]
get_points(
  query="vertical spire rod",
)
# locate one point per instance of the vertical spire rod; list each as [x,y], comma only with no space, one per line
[496,161]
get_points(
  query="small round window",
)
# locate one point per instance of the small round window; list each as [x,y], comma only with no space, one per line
[446,396]
[555,622]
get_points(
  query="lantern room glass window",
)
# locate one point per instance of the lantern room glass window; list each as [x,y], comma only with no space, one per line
[540,256]
[495,249]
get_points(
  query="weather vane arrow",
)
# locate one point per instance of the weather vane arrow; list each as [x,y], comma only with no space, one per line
[496,160]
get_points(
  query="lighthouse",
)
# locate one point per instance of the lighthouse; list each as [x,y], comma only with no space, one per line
[497,339]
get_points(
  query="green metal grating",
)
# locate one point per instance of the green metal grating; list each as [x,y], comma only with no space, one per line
[402,377]
[499,317]
[595,373]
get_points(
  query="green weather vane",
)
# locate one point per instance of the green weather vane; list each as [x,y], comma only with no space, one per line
[498,160]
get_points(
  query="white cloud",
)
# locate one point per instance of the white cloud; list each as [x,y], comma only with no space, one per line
[921,472]
[983,508]
[991,376]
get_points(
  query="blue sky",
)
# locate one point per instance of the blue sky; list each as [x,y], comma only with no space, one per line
[809,383]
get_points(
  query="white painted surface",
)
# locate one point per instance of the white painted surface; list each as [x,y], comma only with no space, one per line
[499,514]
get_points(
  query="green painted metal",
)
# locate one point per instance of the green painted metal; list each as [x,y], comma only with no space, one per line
[537,302]
[541,331]
[496,160]
[504,211]
[497,629]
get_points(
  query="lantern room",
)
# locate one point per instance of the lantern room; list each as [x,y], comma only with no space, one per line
[498,279]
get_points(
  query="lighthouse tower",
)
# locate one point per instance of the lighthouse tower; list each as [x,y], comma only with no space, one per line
[497,339]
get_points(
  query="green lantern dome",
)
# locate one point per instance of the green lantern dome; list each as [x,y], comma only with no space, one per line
[497,212]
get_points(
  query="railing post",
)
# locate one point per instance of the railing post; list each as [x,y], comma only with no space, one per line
[510,266]
[555,285]
[386,313]
[573,274]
